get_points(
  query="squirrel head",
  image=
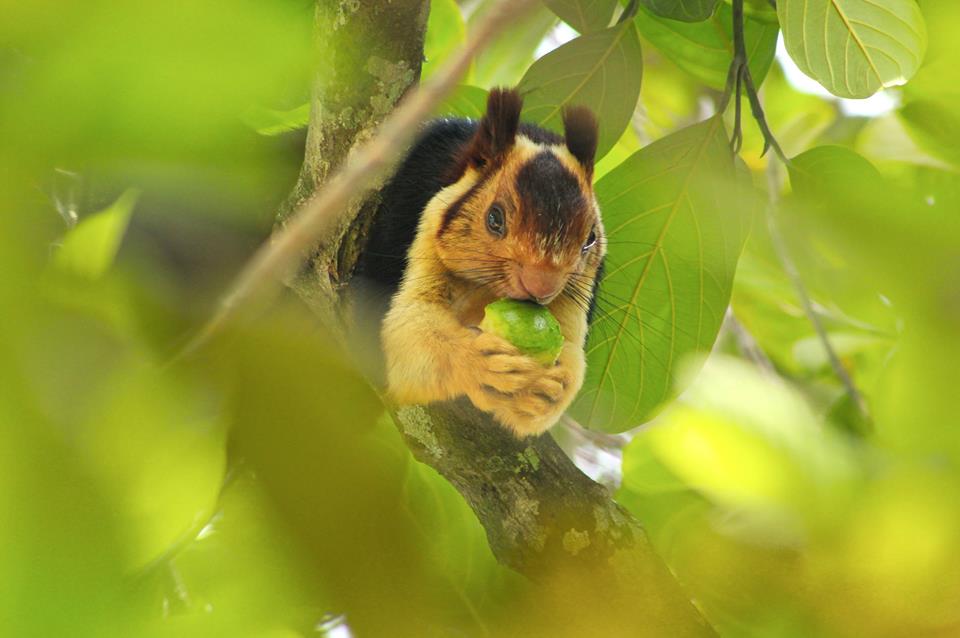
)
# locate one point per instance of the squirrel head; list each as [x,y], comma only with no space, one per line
[525,221]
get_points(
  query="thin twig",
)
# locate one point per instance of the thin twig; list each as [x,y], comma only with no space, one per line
[790,268]
[280,255]
[748,346]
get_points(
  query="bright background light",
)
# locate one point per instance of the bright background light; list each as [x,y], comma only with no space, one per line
[876,105]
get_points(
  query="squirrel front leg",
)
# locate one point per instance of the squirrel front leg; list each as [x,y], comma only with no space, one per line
[431,356]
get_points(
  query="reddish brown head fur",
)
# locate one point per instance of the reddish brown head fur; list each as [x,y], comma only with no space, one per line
[539,187]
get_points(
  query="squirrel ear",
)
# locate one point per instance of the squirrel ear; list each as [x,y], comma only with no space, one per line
[580,131]
[498,128]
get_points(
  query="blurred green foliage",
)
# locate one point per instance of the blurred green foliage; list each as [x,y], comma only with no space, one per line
[260,490]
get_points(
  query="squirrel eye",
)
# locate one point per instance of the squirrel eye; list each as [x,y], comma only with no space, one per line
[591,240]
[495,221]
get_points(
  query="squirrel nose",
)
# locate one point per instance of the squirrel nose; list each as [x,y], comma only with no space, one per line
[541,283]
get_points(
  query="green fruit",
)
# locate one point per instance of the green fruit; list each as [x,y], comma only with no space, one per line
[527,325]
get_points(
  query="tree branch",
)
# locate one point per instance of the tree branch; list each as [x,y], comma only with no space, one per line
[547,520]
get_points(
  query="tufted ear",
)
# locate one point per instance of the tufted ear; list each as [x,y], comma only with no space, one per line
[580,131]
[498,128]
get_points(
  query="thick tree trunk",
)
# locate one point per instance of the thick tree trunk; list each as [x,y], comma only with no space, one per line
[369,55]
[543,517]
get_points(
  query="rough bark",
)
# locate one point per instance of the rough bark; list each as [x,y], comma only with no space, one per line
[369,55]
[542,516]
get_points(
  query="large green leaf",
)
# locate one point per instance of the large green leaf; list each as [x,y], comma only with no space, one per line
[90,248]
[705,49]
[675,226]
[685,10]
[585,16]
[854,48]
[601,70]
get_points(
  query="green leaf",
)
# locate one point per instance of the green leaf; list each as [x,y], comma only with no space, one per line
[759,10]
[939,77]
[505,60]
[675,226]
[934,127]
[89,249]
[465,101]
[585,16]
[705,49]
[627,145]
[601,70]
[854,48]
[826,172]
[446,32]
[684,10]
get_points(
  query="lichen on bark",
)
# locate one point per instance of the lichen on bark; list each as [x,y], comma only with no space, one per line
[368,56]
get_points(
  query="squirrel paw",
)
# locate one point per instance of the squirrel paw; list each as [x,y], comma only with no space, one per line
[499,368]
[521,393]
